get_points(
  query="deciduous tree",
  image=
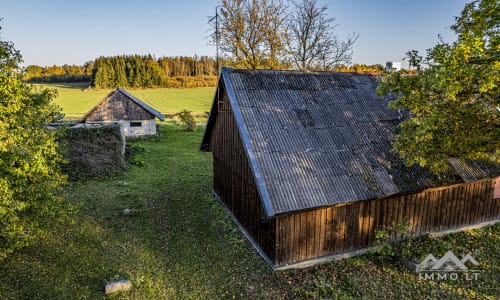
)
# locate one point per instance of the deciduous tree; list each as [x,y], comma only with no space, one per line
[252,32]
[454,102]
[312,42]
[30,177]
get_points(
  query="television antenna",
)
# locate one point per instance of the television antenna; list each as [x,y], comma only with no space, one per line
[216,19]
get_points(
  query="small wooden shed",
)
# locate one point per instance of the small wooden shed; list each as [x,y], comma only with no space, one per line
[303,163]
[137,118]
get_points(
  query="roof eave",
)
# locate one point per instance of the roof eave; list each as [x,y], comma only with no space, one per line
[146,107]
[205,141]
[247,145]
[84,118]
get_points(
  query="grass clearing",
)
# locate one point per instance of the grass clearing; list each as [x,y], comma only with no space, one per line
[76,100]
[179,244]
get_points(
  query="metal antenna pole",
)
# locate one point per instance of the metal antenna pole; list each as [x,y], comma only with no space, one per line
[217,39]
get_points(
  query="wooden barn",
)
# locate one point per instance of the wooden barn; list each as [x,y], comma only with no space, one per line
[137,118]
[302,161]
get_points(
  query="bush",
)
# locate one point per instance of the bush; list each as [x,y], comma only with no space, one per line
[94,152]
[393,240]
[187,119]
[134,155]
[30,176]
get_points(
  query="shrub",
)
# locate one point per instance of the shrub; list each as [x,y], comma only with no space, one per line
[30,177]
[188,120]
[94,152]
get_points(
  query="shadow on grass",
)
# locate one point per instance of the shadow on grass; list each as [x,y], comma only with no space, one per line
[176,242]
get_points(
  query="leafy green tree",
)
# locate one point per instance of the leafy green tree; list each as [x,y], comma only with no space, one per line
[454,102]
[414,59]
[30,177]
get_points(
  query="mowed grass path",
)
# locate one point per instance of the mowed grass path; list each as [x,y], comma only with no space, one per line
[179,244]
[75,100]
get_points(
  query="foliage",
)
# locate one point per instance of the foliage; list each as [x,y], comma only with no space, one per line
[361,68]
[312,43]
[187,119]
[30,178]
[454,101]
[391,239]
[134,155]
[252,32]
[180,244]
[145,71]
[266,34]
[93,152]
[53,74]
[414,59]
[131,71]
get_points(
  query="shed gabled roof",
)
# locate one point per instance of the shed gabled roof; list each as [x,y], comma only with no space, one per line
[319,138]
[129,96]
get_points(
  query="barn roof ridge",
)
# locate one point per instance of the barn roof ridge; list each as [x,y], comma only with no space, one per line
[317,139]
[153,111]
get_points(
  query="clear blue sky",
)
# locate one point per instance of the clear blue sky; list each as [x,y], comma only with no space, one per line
[72,32]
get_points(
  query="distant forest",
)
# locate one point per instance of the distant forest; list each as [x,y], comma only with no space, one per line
[133,71]
[145,71]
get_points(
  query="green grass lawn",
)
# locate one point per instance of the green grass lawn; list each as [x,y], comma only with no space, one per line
[179,244]
[76,100]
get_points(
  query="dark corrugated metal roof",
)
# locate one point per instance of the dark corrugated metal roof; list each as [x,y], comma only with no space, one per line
[322,138]
[131,97]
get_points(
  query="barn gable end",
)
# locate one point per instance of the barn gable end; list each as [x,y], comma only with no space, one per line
[234,181]
[313,151]
[138,118]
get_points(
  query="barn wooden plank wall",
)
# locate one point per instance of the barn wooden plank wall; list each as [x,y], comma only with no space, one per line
[118,107]
[234,183]
[343,228]
[337,229]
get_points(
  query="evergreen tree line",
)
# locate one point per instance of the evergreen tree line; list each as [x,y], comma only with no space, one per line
[131,71]
[139,71]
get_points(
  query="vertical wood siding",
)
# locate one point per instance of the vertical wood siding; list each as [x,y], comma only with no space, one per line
[119,107]
[337,229]
[234,182]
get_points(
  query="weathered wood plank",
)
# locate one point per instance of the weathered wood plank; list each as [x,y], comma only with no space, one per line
[303,236]
[339,243]
[322,232]
[297,237]
[329,234]
[365,224]
[371,228]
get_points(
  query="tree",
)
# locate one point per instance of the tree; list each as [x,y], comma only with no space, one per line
[454,102]
[414,59]
[252,32]
[312,43]
[30,177]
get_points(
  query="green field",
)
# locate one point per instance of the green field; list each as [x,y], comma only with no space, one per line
[76,100]
[178,243]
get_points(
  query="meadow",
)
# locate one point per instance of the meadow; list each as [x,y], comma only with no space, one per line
[178,243]
[76,99]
